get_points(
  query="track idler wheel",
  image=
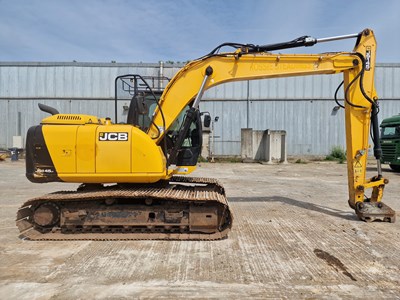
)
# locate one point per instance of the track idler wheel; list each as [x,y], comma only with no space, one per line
[46,215]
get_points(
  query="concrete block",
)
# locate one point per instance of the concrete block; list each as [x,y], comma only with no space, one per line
[263,145]
[17,142]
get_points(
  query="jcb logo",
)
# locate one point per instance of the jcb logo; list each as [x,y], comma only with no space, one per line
[113,136]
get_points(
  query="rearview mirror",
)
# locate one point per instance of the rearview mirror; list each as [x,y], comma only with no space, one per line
[207,121]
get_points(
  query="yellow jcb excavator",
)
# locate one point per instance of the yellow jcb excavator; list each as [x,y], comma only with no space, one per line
[130,172]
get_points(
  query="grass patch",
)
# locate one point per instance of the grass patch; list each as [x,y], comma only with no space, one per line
[300,161]
[337,154]
[202,159]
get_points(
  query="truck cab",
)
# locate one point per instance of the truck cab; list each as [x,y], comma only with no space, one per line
[390,142]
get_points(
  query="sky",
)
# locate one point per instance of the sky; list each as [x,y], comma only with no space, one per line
[150,31]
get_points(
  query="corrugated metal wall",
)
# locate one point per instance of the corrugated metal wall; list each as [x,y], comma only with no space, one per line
[302,105]
[86,88]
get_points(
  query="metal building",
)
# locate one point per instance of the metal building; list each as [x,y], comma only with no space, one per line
[303,106]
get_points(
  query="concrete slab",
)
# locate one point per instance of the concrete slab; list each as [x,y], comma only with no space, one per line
[294,237]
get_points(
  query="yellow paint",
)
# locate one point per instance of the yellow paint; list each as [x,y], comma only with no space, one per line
[60,141]
[147,157]
[80,154]
[113,156]
[186,83]
[85,149]
[76,119]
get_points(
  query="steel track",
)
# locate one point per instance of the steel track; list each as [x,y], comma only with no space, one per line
[204,190]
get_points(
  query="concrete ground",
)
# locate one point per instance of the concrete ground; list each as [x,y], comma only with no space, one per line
[293,237]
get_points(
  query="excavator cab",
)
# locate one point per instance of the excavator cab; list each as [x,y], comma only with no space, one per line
[182,141]
[141,109]
[143,92]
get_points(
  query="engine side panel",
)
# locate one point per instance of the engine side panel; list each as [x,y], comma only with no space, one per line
[61,144]
[113,149]
[93,153]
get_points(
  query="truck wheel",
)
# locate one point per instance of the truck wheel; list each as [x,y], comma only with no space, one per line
[395,167]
